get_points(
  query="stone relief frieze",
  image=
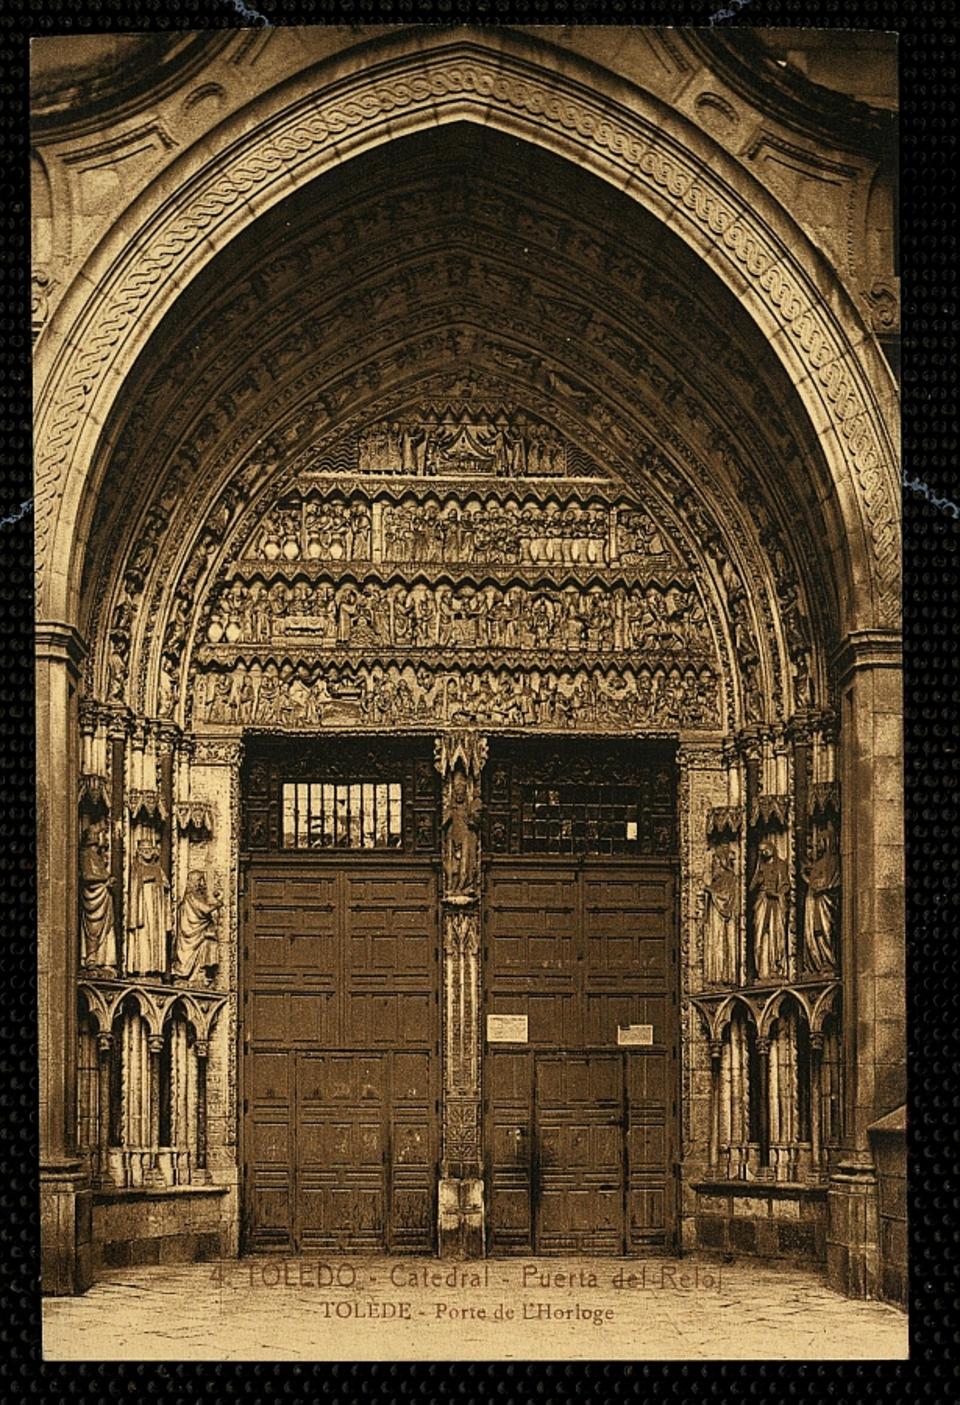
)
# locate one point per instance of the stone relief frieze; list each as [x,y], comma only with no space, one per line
[443,441]
[353,608]
[314,544]
[494,530]
[297,695]
[365,614]
[225,406]
[636,543]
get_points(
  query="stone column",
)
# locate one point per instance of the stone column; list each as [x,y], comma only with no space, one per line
[104,1051]
[118,728]
[816,1107]
[65,1200]
[201,1175]
[764,1055]
[459,759]
[153,1174]
[750,748]
[716,1057]
[869,685]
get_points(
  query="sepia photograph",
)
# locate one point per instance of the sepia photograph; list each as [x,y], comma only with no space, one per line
[470,857]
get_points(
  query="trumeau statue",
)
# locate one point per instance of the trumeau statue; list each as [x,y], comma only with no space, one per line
[148,920]
[97,930]
[822,878]
[461,831]
[770,889]
[195,946]
[721,919]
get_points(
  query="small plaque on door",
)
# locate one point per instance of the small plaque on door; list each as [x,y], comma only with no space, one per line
[635,1034]
[506,1029]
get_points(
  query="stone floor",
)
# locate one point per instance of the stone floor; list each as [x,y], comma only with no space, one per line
[268,1309]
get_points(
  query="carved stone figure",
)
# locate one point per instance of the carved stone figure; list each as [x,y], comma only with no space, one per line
[195,947]
[97,931]
[770,889]
[721,919]
[148,920]
[822,878]
[403,695]
[461,829]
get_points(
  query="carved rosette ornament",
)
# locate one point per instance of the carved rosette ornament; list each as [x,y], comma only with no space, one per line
[459,758]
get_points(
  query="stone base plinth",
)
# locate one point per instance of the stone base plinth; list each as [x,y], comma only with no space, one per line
[769,1219]
[460,1218]
[888,1137]
[853,1248]
[66,1233]
[182,1224]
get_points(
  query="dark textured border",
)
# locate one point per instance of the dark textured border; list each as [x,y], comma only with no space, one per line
[928,71]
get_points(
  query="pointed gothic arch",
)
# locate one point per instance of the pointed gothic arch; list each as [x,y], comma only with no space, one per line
[200,376]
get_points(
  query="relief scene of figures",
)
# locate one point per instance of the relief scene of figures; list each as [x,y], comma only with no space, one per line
[354,615]
[304,696]
[491,530]
[456,440]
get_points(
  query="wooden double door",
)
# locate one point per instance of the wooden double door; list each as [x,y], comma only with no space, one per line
[581,1096]
[340,1078]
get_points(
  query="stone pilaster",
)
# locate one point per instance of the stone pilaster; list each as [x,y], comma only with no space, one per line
[459,759]
[873,946]
[65,1196]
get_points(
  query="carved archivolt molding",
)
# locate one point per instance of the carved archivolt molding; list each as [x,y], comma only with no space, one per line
[711,208]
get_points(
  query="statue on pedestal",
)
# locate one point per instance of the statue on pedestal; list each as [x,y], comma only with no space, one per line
[461,828]
[97,931]
[771,891]
[721,919]
[147,924]
[196,946]
[822,878]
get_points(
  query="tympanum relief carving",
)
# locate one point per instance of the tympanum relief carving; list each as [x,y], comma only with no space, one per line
[471,601]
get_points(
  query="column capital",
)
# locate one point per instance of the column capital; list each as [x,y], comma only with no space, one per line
[57,642]
[867,648]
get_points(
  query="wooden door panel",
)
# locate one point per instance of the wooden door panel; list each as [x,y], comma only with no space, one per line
[270,1179]
[374,1019]
[646,1218]
[581,950]
[508,1079]
[532,921]
[605,1011]
[647,1079]
[579,1106]
[341,1072]
[341,1150]
[294,925]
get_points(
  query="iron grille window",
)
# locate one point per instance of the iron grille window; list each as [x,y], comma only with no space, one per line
[342,815]
[571,819]
[602,799]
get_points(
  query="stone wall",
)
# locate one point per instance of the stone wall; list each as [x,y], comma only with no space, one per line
[769,1221]
[889,1141]
[163,1227]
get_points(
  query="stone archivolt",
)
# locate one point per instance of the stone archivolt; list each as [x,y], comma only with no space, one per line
[160,541]
[670,178]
